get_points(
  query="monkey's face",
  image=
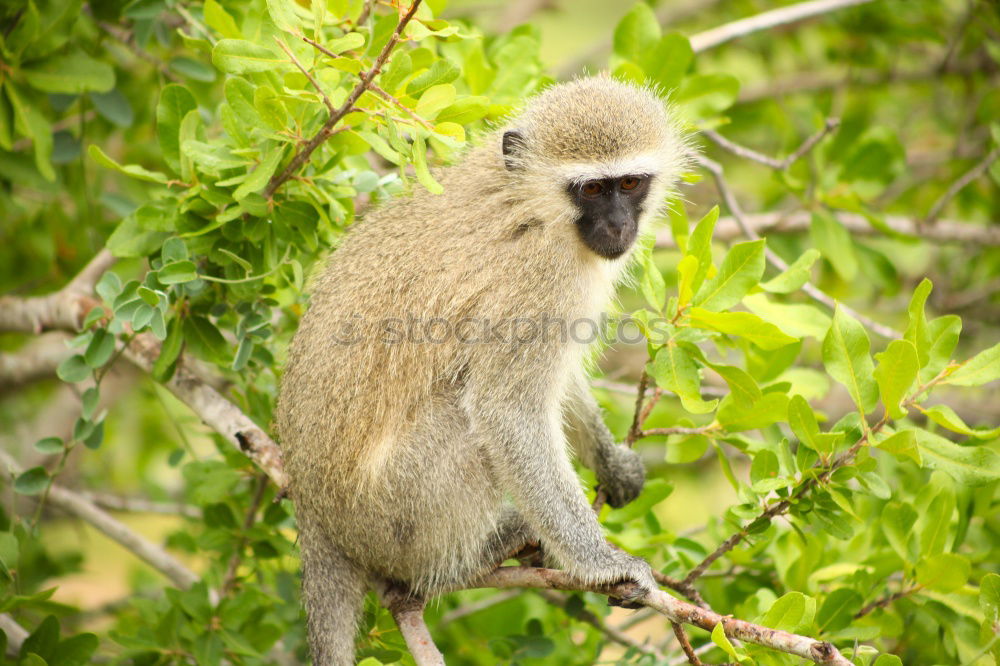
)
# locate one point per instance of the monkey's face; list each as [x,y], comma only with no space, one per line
[609,212]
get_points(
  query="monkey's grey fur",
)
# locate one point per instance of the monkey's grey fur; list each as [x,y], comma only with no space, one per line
[430,463]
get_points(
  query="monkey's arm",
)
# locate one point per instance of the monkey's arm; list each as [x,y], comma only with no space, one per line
[528,455]
[619,469]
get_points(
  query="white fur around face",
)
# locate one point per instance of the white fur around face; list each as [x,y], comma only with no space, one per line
[580,172]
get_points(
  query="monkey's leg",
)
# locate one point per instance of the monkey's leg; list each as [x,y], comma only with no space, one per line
[334,591]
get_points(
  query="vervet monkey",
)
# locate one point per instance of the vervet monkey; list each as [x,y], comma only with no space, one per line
[427,460]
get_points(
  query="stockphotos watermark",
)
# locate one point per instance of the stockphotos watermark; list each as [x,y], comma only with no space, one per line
[356,329]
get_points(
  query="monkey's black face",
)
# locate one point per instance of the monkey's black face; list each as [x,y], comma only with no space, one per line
[609,212]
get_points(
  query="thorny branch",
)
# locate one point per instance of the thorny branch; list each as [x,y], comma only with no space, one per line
[327,129]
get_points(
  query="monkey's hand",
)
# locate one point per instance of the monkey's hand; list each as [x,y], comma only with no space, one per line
[638,575]
[621,475]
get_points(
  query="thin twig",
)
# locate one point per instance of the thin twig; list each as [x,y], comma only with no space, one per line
[885,601]
[612,633]
[229,580]
[327,129]
[313,81]
[772,257]
[366,11]
[677,430]
[685,644]
[681,587]
[766,20]
[960,184]
[141,505]
[319,47]
[640,396]
[395,102]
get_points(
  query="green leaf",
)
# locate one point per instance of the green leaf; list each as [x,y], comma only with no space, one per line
[895,374]
[100,349]
[944,572]
[49,445]
[700,246]
[170,350]
[637,33]
[175,103]
[30,121]
[73,370]
[898,520]
[771,408]
[71,73]
[916,330]
[833,240]
[75,650]
[970,465]
[32,482]
[465,111]
[668,61]
[675,370]
[205,340]
[946,417]
[989,596]
[260,176]
[219,20]
[174,249]
[132,170]
[942,338]
[795,276]
[846,357]
[130,240]
[283,15]
[740,271]
[653,287]
[114,107]
[434,99]
[902,444]
[803,422]
[702,96]
[238,56]
[177,273]
[743,324]
[838,609]
[686,270]
[790,612]
[420,167]
[440,72]
[982,368]
[742,387]
[796,319]
[349,42]
[654,492]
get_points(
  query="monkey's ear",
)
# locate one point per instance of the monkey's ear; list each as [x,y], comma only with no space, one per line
[513,146]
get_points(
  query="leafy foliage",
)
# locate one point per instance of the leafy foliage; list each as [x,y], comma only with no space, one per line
[859,485]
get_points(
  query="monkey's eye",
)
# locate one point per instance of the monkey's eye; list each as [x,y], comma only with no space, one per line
[630,183]
[592,188]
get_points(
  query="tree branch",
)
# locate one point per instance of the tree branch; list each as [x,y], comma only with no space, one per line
[685,644]
[408,611]
[60,310]
[16,634]
[778,165]
[678,611]
[78,505]
[327,130]
[140,505]
[36,360]
[960,184]
[766,20]
[944,231]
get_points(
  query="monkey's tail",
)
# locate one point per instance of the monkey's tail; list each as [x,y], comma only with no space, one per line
[334,590]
